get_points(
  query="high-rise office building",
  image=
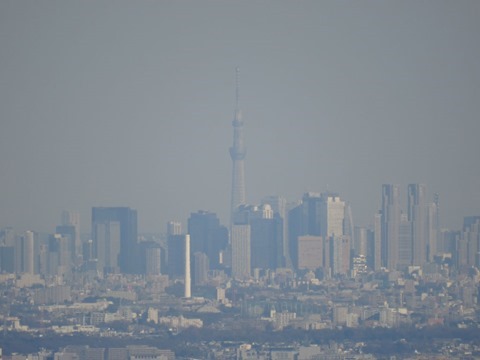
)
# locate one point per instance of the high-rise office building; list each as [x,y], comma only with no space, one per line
[417,215]
[7,237]
[151,254]
[24,253]
[266,235]
[240,243]
[390,223]
[339,255]
[266,240]
[28,255]
[303,219]
[114,233]
[279,206]
[72,218]
[360,241]
[433,229]
[69,231]
[322,215]
[332,215]
[405,244]
[208,236]
[348,226]
[7,259]
[295,230]
[468,248]
[377,241]
[174,228]
[374,243]
[237,153]
[200,269]
[176,256]
[311,214]
[310,252]
[58,258]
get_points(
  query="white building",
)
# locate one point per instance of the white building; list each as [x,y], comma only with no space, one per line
[332,215]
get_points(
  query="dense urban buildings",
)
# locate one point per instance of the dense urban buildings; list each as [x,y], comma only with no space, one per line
[302,265]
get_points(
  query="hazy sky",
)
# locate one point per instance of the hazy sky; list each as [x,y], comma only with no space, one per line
[129,103]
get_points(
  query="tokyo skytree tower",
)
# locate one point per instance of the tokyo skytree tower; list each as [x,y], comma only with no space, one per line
[237,153]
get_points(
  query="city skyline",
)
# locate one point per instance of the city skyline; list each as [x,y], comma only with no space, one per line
[95,112]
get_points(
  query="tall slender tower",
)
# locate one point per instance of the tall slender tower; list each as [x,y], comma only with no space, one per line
[237,153]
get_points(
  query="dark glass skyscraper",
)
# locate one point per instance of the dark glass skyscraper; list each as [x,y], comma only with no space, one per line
[208,236]
[417,215]
[390,225]
[114,234]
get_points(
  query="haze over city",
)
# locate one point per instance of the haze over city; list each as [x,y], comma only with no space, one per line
[130,104]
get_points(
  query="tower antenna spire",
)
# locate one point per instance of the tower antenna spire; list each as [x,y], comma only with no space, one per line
[237,87]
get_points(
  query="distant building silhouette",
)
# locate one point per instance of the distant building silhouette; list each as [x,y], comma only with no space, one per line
[175,256]
[322,215]
[24,253]
[390,225]
[174,228]
[332,215]
[279,206]
[266,235]
[405,243]
[208,236]
[468,249]
[310,252]
[241,251]
[417,216]
[72,218]
[114,234]
[70,232]
[200,268]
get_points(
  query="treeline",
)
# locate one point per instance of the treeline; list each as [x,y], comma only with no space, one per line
[377,340]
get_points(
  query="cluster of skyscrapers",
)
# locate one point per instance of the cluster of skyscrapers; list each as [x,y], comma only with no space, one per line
[314,234]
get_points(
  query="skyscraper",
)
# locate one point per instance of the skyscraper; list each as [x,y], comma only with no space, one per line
[376,242]
[266,239]
[174,228]
[68,231]
[114,234]
[24,253]
[390,225]
[200,268]
[332,215]
[72,218]
[237,153]
[279,206]
[175,256]
[417,215]
[310,252]
[208,236]
[339,254]
[241,251]
[405,244]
